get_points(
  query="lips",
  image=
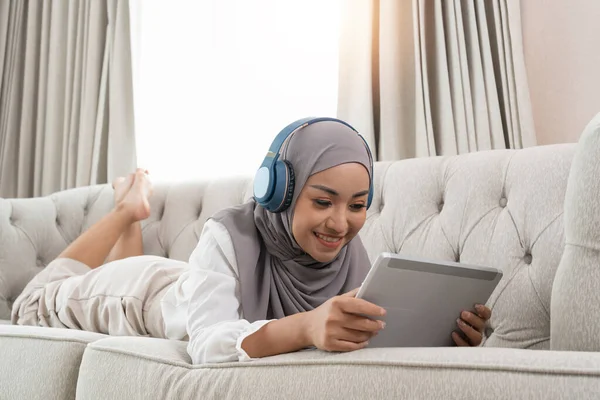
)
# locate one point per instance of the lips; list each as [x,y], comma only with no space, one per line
[331,242]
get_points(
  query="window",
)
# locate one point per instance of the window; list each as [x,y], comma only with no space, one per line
[216,80]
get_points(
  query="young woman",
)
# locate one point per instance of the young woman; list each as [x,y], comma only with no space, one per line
[261,281]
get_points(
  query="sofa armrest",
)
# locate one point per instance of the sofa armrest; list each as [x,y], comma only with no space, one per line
[41,363]
[575,310]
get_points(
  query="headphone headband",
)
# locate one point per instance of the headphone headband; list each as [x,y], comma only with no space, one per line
[293,127]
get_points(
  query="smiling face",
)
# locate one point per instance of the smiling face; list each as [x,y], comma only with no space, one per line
[330,210]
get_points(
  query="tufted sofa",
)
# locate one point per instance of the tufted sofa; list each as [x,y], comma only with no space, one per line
[521,210]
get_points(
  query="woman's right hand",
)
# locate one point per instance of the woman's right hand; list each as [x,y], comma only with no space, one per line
[339,324]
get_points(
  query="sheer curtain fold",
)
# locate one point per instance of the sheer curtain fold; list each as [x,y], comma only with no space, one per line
[443,77]
[65,85]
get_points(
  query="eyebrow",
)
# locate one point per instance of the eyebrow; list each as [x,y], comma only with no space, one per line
[334,193]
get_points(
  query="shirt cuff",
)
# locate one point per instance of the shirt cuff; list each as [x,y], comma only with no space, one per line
[253,327]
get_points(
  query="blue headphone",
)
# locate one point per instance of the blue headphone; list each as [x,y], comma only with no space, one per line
[274,181]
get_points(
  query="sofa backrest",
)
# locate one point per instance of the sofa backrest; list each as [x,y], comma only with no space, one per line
[501,208]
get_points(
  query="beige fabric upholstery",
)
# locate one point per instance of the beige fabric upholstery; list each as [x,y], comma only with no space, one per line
[499,208]
[41,363]
[142,368]
[502,208]
[576,289]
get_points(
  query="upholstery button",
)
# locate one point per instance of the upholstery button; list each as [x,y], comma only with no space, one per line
[527,258]
[39,263]
[440,206]
[503,202]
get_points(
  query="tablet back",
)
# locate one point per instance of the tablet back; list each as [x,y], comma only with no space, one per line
[424,298]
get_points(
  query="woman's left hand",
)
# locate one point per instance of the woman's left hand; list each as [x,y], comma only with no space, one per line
[472,325]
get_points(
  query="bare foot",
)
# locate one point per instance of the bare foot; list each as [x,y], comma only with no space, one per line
[135,202]
[121,186]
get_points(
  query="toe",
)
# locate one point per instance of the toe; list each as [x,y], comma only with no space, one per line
[139,175]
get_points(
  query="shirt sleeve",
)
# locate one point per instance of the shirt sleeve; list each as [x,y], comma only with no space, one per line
[215,323]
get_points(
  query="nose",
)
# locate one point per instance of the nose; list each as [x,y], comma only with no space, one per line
[337,220]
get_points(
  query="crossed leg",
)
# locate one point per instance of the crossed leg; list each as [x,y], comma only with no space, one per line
[118,234]
[130,243]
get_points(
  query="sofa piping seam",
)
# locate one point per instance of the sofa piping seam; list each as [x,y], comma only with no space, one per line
[349,363]
[54,339]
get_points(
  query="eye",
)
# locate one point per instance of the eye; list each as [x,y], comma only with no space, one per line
[357,207]
[322,203]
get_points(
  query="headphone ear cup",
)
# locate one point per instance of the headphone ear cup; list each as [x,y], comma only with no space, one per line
[289,195]
[284,187]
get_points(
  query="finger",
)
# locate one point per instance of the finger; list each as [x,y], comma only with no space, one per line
[342,345]
[351,335]
[351,293]
[472,335]
[363,324]
[459,340]
[474,320]
[483,311]
[359,306]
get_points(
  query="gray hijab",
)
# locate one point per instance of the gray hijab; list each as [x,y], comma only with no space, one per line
[277,278]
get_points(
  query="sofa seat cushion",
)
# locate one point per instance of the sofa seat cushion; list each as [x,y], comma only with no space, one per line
[145,368]
[41,363]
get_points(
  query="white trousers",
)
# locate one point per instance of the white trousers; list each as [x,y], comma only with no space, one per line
[120,298]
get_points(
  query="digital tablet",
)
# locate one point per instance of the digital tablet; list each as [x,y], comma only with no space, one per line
[424,298]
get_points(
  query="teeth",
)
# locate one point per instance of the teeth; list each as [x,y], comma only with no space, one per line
[327,238]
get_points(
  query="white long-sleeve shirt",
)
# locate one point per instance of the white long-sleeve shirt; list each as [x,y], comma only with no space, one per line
[204,304]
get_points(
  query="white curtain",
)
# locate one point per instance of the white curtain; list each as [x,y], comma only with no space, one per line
[66,96]
[434,77]
[218,79]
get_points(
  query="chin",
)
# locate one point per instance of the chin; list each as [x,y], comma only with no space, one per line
[324,257]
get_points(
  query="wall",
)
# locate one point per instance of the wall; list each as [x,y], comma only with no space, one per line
[562,56]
